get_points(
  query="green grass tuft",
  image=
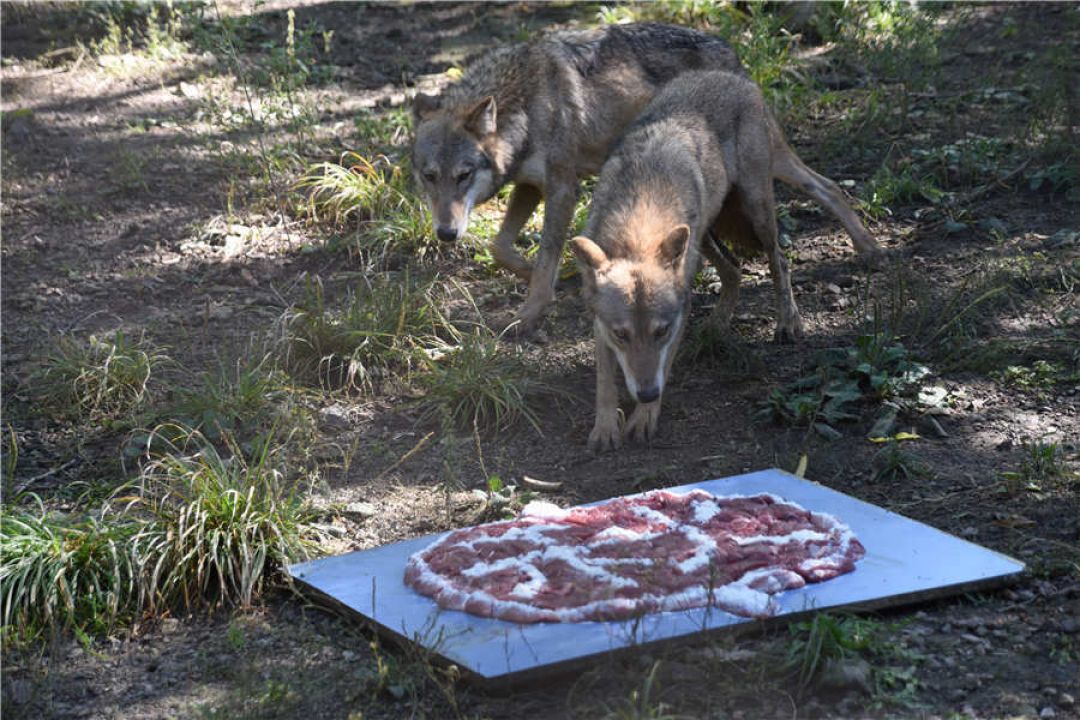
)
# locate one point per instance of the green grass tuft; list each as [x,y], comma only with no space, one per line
[102,377]
[62,572]
[479,384]
[217,526]
[382,329]
[374,193]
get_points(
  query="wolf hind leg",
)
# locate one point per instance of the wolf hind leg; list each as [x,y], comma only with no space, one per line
[760,209]
[790,169]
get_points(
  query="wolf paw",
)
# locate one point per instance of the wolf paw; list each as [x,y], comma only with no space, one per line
[606,434]
[790,331]
[641,427]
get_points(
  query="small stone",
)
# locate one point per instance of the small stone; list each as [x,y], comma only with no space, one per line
[970,531]
[1070,626]
[20,691]
[326,529]
[348,655]
[847,674]
[169,626]
[1047,712]
[334,418]
[956,695]
[1066,700]
[362,509]
[833,288]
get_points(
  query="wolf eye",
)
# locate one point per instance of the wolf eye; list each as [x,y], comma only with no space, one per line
[429,176]
[464,175]
[620,334]
[662,331]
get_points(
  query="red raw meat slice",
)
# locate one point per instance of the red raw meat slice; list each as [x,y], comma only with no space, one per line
[630,556]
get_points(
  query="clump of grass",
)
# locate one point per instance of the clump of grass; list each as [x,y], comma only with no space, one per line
[374,193]
[479,384]
[381,329]
[62,572]
[827,639]
[1042,462]
[101,377]
[217,526]
[242,401]
[891,463]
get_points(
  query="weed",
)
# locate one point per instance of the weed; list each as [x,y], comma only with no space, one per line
[876,369]
[382,131]
[479,384]
[641,703]
[828,639]
[65,572]
[385,327]
[1038,377]
[102,377]
[129,171]
[243,402]
[890,187]
[217,527]
[1042,462]
[891,464]
[374,193]
[502,501]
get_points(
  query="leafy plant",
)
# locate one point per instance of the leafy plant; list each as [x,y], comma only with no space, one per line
[875,369]
[101,377]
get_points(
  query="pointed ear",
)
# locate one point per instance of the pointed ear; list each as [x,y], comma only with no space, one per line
[588,253]
[424,105]
[673,248]
[480,119]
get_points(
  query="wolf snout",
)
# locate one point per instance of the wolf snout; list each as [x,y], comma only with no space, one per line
[446,234]
[648,394]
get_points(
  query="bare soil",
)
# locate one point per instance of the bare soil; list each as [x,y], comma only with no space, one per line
[112,186]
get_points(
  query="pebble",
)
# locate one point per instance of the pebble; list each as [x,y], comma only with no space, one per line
[1047,712]
[334,418]
[348,655]
[1066,700]
[363,509]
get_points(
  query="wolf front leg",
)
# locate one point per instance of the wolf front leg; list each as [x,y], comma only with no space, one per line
[559,201]
[606,433]
[523,200]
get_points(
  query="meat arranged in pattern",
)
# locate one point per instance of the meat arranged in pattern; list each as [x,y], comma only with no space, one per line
[631,556]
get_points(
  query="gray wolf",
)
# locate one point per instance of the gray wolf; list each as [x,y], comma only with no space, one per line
[698,163]
[546,113]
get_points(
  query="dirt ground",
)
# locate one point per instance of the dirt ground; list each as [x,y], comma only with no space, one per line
[115,190]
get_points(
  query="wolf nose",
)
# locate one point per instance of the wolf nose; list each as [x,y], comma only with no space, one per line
[446,234]
[648,394]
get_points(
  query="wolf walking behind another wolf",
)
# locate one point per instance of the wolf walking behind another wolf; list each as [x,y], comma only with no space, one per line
[700,160]
[546,113]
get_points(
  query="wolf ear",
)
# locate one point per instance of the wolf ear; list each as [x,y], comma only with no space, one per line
[480,120]
[672,249]
[588,253]
[424,105]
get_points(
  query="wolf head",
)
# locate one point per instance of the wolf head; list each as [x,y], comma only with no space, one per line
[640,307]
[452,160]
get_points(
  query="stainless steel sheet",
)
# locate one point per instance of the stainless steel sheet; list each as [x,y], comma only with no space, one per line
[905,561]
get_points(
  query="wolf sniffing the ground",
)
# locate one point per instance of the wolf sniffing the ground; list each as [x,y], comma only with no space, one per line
[546,113]
[695,167]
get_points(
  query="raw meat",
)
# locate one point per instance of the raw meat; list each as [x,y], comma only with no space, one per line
[631,556]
